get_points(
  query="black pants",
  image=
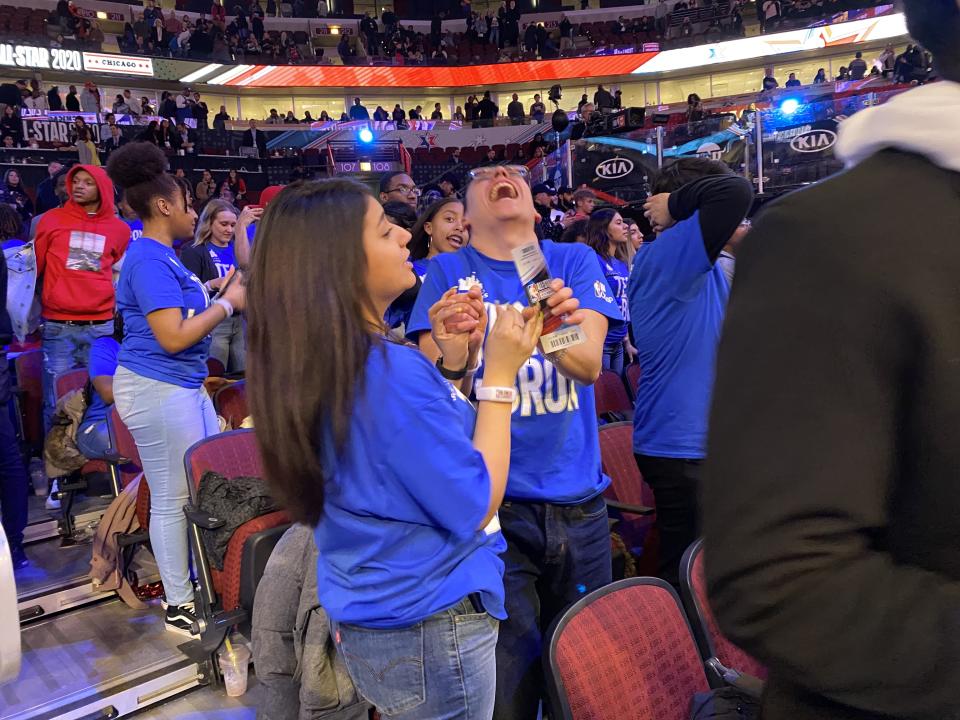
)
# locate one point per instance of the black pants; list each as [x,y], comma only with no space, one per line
[675,484]
[13,476]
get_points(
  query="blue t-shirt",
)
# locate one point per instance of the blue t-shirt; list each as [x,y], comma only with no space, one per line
[555,454]
[616,273]
[398,540]
[224,258]
[136,228]
[153,278]
[399,312]
[103,361]
[677,302]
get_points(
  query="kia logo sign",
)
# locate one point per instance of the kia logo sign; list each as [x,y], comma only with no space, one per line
[614,168]
[814,141]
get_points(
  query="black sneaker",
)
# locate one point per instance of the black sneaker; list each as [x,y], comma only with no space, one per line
[179,618]
[19,557]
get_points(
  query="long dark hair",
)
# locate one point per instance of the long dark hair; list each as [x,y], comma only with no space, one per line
[596,233]
[419,244]
[307,339]
[11,225]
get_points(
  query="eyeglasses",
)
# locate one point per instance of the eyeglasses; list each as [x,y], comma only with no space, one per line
[406,189]
[486,173]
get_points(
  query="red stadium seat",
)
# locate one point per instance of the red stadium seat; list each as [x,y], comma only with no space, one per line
[215,368]
[629,499]
[624,651]
[230,402]
[712,642]
[231,454]
[612,400]
[29,369]
[71,380]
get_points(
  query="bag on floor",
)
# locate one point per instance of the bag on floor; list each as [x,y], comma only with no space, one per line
[724,704]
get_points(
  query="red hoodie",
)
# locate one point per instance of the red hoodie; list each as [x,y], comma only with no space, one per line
[76,252]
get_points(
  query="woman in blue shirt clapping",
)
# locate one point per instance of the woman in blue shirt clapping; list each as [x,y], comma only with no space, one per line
[364,439]
[158,388]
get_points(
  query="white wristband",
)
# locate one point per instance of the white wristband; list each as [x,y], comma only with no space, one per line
[496,394]
[225,304]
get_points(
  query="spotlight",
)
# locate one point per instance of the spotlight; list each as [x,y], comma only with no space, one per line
[366,135]
[789,106]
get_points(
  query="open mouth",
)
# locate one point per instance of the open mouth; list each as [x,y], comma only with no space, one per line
[456,241]
[502,190]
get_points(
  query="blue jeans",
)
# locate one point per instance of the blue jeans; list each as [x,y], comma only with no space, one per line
[555,555]
[93,440]
[13,476]
[441,668]
[613,358]
[65,347]
[228,345]
[165,420]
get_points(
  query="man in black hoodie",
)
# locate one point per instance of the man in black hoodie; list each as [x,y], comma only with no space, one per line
[832,515]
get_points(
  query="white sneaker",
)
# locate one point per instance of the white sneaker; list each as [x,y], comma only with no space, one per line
[52,503]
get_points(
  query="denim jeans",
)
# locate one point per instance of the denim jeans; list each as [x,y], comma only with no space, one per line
[165,420]
[64,348]
[443,667]
[13,475]
[93,440]
[228,345]
[555,555]
[675,484]
[613,358]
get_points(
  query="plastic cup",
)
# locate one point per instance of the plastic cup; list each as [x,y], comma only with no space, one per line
[234,667]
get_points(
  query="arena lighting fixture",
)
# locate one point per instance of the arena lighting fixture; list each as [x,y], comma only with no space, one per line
[230,74]
[366,166]
[101,15]
[365,135]
[789,106]
[197,74]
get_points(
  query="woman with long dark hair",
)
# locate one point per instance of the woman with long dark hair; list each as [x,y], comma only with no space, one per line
[238,187]
[363,439]
[158,387]
[609,237]
[440,229]
[14,193]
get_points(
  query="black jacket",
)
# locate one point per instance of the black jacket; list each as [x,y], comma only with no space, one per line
[261,145]
[831,511]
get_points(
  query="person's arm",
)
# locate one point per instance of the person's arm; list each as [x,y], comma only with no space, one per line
[241,241]
[160,298]
[103,384]
[817,367]
[722,200]
[45,228]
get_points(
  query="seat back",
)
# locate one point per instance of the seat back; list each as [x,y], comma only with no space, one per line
[627,486]
[126,447]
[71,380]
[215,368]
[231,403]
[233,454]
[625,650]
[711,641]
[29,367]
[611,395]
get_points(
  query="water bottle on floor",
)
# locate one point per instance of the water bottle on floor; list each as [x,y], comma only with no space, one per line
[38,478]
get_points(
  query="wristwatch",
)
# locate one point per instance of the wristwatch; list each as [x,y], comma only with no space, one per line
[450,374]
